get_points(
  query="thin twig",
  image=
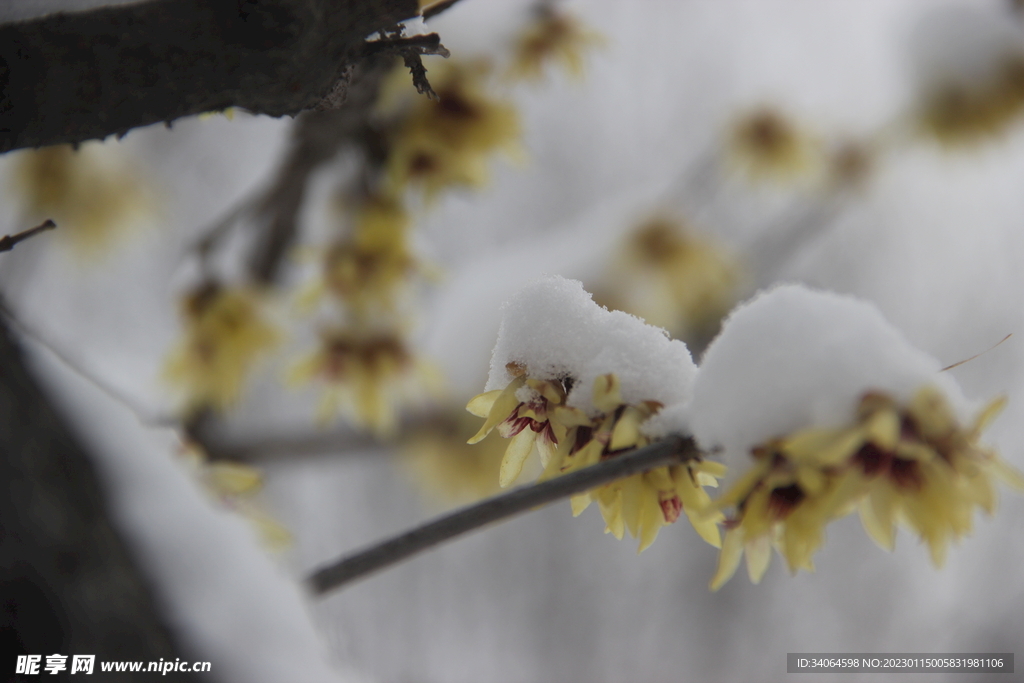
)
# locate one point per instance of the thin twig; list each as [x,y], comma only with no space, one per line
[671,450]
[968,360]
[437,8]
[129,402]
[7,242]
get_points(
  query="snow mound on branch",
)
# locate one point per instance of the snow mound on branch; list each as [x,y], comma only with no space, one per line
[554,329]
[795,357]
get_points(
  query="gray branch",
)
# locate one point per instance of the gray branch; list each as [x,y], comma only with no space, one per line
[669,451]
[66,78]
[68,582]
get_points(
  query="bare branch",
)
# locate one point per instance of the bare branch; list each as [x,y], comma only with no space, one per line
[66,78]
[7,242]
[437,8]
[669,451]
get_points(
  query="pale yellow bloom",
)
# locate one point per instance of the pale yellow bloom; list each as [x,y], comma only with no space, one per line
[366,376]
[957,112]
[569,440]
[765,145]
[225,335]
[446,467]
[674,279]
[552,37]
[90,193]
[234,485]
[449,142]
[368,269]
[911,466]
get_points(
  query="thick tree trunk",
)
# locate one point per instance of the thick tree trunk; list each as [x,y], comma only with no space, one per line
[79,76]
[68,584]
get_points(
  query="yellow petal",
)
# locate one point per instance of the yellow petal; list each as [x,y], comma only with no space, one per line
[547,389]
[481,404]
[823,446]
[627,429]
[234,478]
[883,429]
[651,520]
[569,417]
[580,502]
[715,469]
[1009,474]
[502,407]
[988,414]
[515,455]
[707,528]
[607,393]
[759,556]
[877,516]
[728,559]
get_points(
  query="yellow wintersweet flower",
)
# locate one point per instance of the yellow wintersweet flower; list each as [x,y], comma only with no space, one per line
[552,36]
[907,465]
[959,112]
[674,279]
[765,145]
[448,142]
[368,269]
[536,416]
[447,468]
[224,337]
[367,376]
[234,485]
[90,193]
[534,411]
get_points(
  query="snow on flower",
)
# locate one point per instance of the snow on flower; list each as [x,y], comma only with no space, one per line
[578,382]
[819,406]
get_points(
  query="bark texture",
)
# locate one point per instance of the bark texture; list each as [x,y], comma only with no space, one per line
[78,76]
[68,584]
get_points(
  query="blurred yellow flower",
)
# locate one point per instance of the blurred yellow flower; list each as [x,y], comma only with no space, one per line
[368,269]
[765,145]
[533,411]
[552,36]
[367,376]
[674,279]
[225,336]
[445,466]
[234,485]
[448,143]
[907,465]
[960,112]
[90,193]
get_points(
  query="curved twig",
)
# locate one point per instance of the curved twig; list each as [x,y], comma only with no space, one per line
[671,450]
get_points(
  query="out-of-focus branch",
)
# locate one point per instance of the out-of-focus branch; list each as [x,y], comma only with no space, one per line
[318,136]
[67,581]
[671,450]
[78,76]
[7,242]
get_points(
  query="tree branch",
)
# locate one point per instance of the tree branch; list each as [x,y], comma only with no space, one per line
[74,77]
[669,451]
[68,583]
[7,242]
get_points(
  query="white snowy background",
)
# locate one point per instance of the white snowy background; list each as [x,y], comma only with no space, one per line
[936,240]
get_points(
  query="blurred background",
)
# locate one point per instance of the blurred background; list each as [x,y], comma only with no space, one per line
[267,329]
